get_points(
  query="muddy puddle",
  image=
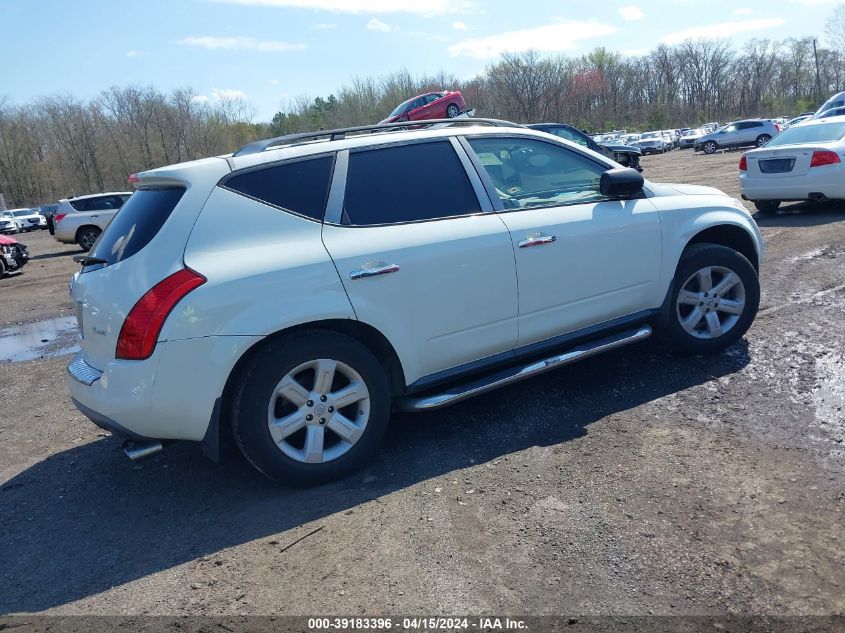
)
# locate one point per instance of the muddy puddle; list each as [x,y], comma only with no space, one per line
[42,339]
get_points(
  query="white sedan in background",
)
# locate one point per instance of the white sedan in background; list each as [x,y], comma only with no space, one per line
[804,162]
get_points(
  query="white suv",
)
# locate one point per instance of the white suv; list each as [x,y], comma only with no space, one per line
[80,220]
[384,268]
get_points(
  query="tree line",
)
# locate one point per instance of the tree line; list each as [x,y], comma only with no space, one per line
[61,145]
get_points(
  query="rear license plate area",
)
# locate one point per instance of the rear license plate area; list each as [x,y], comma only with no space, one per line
[777,165]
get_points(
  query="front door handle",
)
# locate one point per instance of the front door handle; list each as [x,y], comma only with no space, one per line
[380,269]
[537,240]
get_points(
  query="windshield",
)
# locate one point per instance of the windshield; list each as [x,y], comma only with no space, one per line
[821,133]
[20,214]
[400,108]
[835,101]
[651,135]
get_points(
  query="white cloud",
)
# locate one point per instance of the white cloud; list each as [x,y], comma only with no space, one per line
[636,52]
[377,25]
[562,36]
[740,11]
[429,7]
[221,94]
[228,94]
[134,53]
[459,26]
[273,82]
[817,3]
[242,43]
[631,13]
[725,29]
[323,26]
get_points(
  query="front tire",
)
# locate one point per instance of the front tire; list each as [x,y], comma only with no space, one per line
[312,407]
[710,147]
[713,300]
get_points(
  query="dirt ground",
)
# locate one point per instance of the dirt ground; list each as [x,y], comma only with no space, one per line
[638,482]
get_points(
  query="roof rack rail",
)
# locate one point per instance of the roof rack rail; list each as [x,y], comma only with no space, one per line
[340,133]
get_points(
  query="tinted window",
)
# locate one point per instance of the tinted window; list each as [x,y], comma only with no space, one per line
[301,186]
[100,203]
[529,173]
[423,181]
[137,223]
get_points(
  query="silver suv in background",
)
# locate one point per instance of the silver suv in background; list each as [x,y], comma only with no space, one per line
[80,220]
[747,133]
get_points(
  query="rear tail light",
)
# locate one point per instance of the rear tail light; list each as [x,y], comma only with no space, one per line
[59,217]
[824,157]
[778,127]
[743,164]
[133,179]
[143,324]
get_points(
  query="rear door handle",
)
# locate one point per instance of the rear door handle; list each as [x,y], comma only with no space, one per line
[537,240]
[381,269]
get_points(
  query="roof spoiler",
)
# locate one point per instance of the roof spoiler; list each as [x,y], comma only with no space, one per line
[341,133]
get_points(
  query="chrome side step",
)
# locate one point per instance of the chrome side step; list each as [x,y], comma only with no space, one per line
[515,374]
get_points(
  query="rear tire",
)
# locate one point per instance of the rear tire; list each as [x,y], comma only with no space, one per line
[763,139]
[452,111]
[282,415]
[713,300]
[86,237]
[767,207]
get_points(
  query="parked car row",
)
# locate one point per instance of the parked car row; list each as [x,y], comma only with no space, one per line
[21,221]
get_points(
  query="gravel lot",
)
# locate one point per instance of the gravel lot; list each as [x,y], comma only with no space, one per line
[638,482]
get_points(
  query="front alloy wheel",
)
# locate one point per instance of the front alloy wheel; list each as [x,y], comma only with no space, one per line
[710,302]
[713,299]
[710,147]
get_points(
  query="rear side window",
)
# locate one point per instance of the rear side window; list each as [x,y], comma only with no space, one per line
[301,186]
[137,223]
[100,203]
[407,183]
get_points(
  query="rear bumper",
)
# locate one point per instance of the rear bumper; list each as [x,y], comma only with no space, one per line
[169,396]
[831,184]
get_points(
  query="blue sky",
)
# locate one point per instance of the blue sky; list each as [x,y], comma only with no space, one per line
[270,51]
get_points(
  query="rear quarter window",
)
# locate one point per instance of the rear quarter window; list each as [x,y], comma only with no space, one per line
[300,186]
[138,222]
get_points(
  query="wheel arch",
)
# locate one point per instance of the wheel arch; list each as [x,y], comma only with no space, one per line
[732,236]
[82,228]
[364,333]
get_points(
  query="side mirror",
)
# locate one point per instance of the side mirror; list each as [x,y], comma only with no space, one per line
[621,182]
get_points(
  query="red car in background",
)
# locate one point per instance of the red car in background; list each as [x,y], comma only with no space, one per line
[431,105]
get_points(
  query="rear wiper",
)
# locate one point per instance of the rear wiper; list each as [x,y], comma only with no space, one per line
[87,260]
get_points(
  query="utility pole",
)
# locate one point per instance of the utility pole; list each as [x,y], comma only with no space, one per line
[818,76]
